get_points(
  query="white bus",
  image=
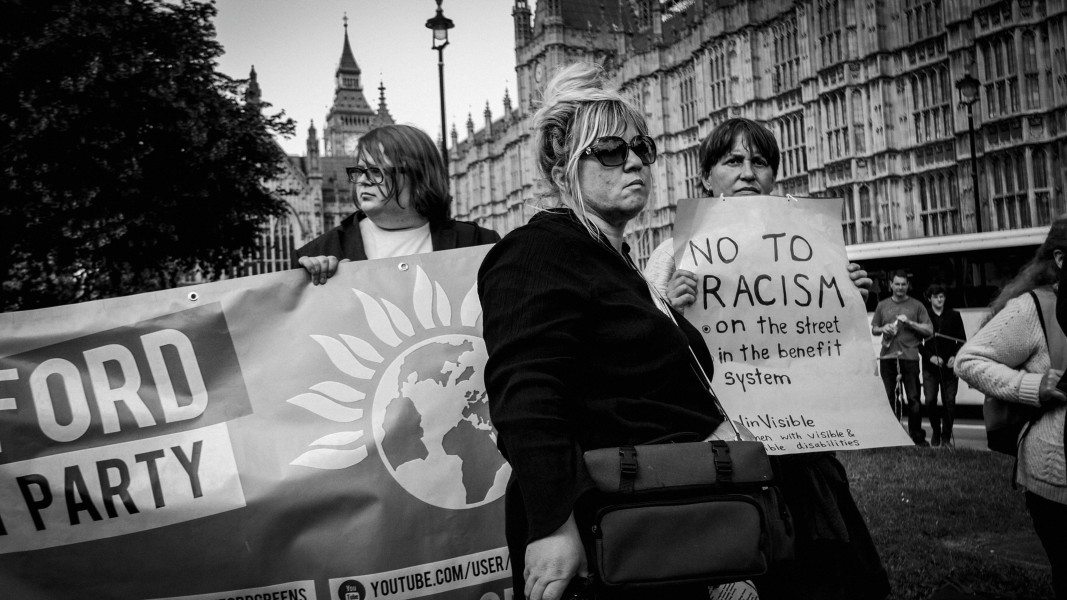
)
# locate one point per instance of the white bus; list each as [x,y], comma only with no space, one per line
[972,267]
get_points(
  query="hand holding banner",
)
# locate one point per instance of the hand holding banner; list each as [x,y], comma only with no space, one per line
[255,438]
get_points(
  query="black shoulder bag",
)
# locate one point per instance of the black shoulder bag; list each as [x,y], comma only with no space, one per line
[704,512]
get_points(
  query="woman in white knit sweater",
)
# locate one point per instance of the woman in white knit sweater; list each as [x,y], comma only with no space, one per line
[1009,359]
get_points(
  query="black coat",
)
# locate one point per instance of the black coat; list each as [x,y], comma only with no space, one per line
[345,240]
[950,325]
[580,357]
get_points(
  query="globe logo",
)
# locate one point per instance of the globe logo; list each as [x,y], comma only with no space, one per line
[431,424]
[429,415]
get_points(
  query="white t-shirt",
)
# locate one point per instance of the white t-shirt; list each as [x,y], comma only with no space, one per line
[386,243]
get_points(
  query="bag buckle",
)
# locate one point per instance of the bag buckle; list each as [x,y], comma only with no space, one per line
[724,465]
[627,469]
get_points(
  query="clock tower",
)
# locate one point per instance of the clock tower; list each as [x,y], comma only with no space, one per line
[350,116]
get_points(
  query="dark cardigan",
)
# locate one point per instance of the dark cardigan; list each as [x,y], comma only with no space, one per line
[948,323]
[580,357]
[345,240]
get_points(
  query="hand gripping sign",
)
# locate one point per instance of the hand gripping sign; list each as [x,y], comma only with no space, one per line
[786,326]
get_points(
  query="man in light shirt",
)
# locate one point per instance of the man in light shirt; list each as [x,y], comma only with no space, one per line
[903,323]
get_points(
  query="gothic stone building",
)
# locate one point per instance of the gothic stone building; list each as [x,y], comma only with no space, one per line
[861,95]
[315,186]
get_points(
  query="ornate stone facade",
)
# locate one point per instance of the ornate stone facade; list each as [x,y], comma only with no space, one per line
[861,95]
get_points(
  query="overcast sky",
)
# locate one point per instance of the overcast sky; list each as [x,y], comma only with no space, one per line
[296,45]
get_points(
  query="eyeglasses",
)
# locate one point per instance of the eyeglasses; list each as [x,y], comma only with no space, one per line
[612,150]
[375,175]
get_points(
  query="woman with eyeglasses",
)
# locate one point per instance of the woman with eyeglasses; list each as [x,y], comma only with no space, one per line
[582,354]
[403,206]
[835,555]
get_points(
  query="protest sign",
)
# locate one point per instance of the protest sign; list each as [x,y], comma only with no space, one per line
[258,438]
[786,326]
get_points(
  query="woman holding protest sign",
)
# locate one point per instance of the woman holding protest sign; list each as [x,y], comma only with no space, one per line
[1017,357]
[835,556]
[582,355]
[738,158]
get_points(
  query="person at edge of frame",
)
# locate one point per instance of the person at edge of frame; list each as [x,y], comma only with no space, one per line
[1009,359]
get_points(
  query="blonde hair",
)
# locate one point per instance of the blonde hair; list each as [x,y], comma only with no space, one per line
[579,106]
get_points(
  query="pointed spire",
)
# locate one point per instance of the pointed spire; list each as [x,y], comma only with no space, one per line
[488,114]
[384,117]
[313,150]
[253,93]
[507,105]
[470,127]
[348,60]
[454,136]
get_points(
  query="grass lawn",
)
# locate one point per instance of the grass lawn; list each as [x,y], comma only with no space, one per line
[940,516]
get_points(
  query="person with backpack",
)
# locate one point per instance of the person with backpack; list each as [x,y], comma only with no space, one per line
[1009,359]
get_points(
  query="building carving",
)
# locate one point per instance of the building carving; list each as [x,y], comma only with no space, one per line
[860,94]
[315,186]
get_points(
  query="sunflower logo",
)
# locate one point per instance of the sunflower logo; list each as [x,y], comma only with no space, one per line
[428,409]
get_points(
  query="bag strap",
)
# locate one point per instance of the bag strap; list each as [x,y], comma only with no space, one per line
[694,362]
[724,465]
[1045,303]
[706,383]
[1045,299]
[627,469]
[1043,313]
[1056,340]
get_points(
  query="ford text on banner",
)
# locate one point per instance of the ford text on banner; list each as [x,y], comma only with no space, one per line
[786,326]
[258,438]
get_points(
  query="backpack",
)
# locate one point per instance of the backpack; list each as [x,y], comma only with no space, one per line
[1007,423]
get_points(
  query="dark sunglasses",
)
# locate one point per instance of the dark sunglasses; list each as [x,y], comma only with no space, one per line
[612,150]
[375,175]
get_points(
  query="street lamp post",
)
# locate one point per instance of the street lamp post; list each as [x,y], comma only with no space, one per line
[440,26]
[968,88]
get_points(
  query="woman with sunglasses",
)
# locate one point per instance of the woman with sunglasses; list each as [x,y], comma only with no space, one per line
[582,354]
[402,194]
[835,556]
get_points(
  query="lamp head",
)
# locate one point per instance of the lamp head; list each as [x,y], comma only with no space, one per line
[440,24]
[968,88]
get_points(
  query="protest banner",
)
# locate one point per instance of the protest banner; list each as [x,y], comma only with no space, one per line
[256,439]
[786,326]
